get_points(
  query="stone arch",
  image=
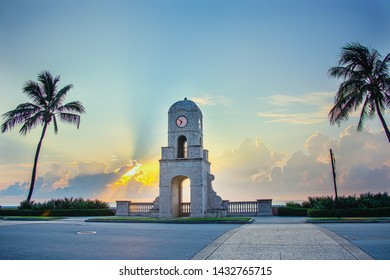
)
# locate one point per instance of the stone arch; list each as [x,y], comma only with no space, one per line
[177,195]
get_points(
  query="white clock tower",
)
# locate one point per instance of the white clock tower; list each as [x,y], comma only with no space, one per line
[185,158]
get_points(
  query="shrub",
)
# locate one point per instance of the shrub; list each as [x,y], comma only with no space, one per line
[293,204]
[26,205]
[367,200]
[64,203]
[346,202]
[324,202]
[355,212]
[290,211]
[306,204]
[58,213]
[322,213]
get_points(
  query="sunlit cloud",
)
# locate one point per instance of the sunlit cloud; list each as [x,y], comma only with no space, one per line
[91,180]
[131,173]
[146,174]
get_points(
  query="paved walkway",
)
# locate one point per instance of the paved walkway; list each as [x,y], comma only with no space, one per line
[287,241]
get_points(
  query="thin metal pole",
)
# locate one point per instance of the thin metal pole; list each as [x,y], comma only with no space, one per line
[334,181]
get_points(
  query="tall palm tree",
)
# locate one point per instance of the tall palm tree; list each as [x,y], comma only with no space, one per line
[366,83]
[47,105]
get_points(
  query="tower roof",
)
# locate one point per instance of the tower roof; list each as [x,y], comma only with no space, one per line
[186,105]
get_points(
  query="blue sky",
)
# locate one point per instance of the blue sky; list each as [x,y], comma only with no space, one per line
[257,70]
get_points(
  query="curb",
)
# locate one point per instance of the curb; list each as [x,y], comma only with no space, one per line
[335,221]
[167,221]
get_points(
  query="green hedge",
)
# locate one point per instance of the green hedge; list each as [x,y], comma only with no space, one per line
[58,213]
[355,212]
[292,211]
[365,200]
[64,203]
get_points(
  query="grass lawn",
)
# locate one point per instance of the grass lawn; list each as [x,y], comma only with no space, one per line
[181,220]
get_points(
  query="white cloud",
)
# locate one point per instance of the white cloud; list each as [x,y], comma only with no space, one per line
[313,108]
[90,168]
[207,100]
[56,177]
[362,165]
[313,98]
[252,170]
[250,157]
[318,146]
[296,118]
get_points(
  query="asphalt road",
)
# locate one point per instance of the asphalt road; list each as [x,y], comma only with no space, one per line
[74,239]
[373,238]
[108,241]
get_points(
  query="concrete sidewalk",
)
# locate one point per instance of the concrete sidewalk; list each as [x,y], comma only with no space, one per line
[293,241]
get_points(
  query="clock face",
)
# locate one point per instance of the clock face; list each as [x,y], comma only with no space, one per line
[181,121]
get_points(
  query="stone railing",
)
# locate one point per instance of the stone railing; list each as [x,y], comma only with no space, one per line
[129,208]
[260,207]
[241,207]
[185,209]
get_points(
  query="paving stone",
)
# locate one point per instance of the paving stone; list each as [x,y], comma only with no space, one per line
[281,242]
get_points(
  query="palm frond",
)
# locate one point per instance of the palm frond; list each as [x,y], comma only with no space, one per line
[24,109]
[60,96]
[354,55]
[352,90]
[70,118]
[49,84]
[383,79]
[340,72]
[19,115]
[340,111]
[74,106]
[368,111]
[348,98]
[34,92]
[32,122]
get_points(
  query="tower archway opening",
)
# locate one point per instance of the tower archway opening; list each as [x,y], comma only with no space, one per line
[182,147]
[181,196]
[185,191]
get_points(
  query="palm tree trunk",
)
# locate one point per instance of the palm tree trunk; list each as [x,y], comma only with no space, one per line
[382,120]
[34,171]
